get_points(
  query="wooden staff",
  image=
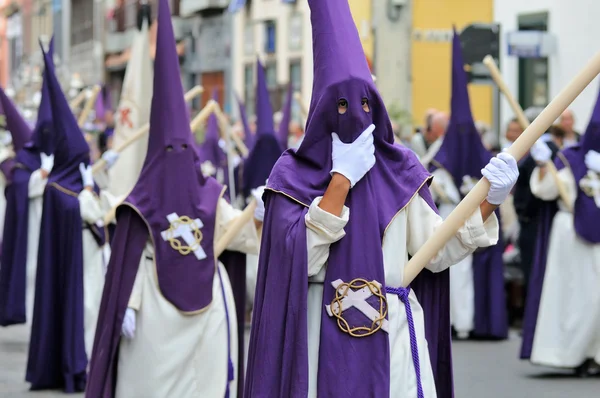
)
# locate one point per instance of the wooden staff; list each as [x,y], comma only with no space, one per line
[234,228]
[101,163]
[75,102]
[524,122]
[199,119]
[298,97]
[224,125]
[89,104]
[477,195]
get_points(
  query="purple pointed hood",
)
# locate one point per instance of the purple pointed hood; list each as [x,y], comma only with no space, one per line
[171,184]
[264,111]
[103,103]
[276,361]
[19,129]
[284,126]
[591,138]
[248,133]
[462,153]
[70,147]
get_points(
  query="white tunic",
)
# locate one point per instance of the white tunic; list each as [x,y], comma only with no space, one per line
[37,184]
[568,325]
[176,355]
[405,235]
[95,259]
[462,288]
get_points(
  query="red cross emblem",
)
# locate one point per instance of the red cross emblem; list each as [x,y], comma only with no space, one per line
[125,117]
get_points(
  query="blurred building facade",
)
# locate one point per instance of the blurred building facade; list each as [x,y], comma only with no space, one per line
[545,43]
[279,34]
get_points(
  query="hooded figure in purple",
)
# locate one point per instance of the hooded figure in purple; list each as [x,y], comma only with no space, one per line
[566,331]
[23,211]
[165,292]
[266,149]
[477,296]
[248,133]
[57,357]
[343,214]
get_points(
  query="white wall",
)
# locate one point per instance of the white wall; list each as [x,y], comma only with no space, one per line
[576,27]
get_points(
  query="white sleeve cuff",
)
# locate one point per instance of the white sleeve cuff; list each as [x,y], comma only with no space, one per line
[325,223]
[475,233]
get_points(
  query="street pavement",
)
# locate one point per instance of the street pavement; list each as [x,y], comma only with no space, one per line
[481,370]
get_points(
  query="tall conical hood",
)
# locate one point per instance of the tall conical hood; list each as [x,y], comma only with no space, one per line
[248,133]
[171,191]
[462,153]
[264,111]
[284,125]
[51,49]
[100,106]
[210,151]
[15,124]
[591,138]
[70,148]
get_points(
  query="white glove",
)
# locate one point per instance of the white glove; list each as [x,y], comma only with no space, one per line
[354,160]
[502,173]
[110,157]
[86,175]
[236,161]
[223,144]
[128,328]
[47,162]
[540,151]
[592,161]
[259,212]
[6,139]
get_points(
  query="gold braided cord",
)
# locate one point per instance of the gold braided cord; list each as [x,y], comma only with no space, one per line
[176,244]
[337,309]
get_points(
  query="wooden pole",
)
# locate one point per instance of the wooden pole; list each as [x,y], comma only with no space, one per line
[489,62]
[521,146]
[224,125]
[101,163]
[234,227]
[303,109]
[89,104]
[75,102]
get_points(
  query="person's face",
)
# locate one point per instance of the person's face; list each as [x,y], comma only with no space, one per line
[513,131]
[109,118]
[567,121]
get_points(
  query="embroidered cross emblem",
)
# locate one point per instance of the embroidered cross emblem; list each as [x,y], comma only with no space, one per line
[188,230]
[468,184]
[590,185]
[208,169]
[347,297]
[124,117]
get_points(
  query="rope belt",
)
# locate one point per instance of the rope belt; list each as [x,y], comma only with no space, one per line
[402,294]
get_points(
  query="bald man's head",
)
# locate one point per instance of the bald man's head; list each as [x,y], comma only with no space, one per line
[437,127]
[567,121]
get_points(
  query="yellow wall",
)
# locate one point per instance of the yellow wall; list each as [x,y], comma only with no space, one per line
[362,14]
[431,55]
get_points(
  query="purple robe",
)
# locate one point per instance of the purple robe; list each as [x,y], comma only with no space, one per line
[278,357]
[462,154]
[162,189]
[57,357]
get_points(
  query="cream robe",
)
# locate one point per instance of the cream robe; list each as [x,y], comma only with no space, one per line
[37,185]
[175,355]
[95,259]
[462,288]
[407,232]
[568,326]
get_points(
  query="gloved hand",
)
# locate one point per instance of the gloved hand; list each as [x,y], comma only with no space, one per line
[467,185]
[6,139]
[86,175]
[592,161]
[540,151]
[236,161]
[110,157]
[354,160]
[259,212]
[128,328]
[502,173]
[47,162]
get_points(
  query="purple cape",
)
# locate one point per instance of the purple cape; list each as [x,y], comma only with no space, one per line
[536,278]
[57,357]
